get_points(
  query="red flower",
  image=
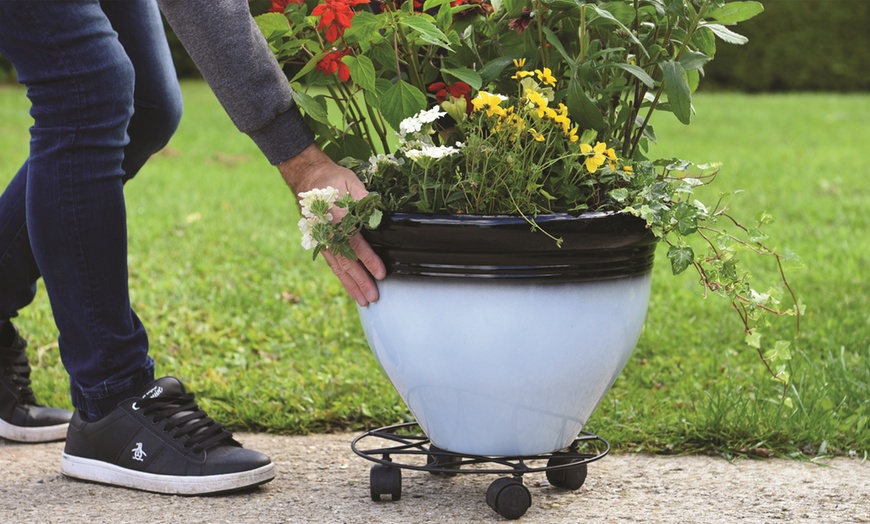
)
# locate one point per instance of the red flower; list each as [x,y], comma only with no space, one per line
[483,7]
[456,90]
[331,63]
[521,23]
[335,16]
[278,6]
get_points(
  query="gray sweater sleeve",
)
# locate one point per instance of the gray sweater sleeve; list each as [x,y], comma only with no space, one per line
[228,48]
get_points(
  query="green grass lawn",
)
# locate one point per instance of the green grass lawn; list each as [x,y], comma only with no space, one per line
[269,341]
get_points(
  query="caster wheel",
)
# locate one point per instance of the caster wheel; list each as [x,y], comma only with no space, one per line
[508,497]
[571,477]
[442,461]
[385,480]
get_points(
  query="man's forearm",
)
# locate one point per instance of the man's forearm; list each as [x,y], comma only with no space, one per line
[224,42]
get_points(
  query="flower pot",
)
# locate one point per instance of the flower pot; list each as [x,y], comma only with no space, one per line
[500,342]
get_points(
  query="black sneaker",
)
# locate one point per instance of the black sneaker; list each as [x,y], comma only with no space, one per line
[162,442]
[22,419]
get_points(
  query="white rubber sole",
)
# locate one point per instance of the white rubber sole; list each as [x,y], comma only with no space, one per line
[35,434]
[105,473]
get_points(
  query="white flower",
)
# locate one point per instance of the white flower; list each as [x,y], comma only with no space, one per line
[308,241]
[328,195]
[427,152]
[414,124]
[430,115]
[380,159]
[410,125]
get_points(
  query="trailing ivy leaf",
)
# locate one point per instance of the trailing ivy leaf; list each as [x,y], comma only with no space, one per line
[735,12]
[686,216]
[401,101]
[753,339]
[681,258]
[677,89]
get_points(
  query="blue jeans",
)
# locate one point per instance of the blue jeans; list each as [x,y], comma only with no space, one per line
[104,98]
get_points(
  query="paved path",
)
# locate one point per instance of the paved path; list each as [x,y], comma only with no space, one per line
[321,480]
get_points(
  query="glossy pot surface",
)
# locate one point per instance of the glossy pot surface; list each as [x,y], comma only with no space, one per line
[505,365]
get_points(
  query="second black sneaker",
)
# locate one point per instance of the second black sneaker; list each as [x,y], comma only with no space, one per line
[162,442]
[22,419]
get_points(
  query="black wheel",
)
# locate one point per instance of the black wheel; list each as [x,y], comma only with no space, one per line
[385,480]
[441,459]
[508,497]
[571,477]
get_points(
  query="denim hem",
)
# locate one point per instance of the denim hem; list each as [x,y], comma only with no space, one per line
[96,402]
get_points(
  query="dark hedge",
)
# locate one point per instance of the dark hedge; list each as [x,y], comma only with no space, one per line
[795,45]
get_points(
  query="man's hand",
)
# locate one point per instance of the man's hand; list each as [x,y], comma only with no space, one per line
[312,169]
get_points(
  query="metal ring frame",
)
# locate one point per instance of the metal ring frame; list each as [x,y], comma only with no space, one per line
[440,461]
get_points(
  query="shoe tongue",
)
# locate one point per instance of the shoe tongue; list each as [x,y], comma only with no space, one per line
[164,387]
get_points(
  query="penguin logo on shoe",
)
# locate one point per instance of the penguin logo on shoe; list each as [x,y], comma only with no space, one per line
[138,453]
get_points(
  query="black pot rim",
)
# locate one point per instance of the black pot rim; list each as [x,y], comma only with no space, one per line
[595,246]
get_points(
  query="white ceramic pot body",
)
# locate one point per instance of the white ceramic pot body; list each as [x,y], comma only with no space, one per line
[503,366]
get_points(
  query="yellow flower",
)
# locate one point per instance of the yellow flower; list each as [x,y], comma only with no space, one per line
[572,135]
[594,156]
[521,74]
[537,136]
[612,159]
[519,63]
[546,76]
[627,170]
[563,121]
[488,101]
[538,100]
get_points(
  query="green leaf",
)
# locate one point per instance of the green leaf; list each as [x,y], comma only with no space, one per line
[375,219]
[311,107]
[493,69]
[272,23]
[362,71]
[781,351]
[603,13]
[677,88]
[582,108]
[735,12]
[401,101]
[681,258]
[691,60]
[638,73]
[753,339]
[726,34]
[469,76]
[427,31]
[363,25]
[686,216]
[429,4]
[554,41]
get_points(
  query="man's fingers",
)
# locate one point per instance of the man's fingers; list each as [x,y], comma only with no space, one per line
[367,256]
[356,280]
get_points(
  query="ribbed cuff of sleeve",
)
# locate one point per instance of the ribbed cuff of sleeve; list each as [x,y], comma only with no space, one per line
[284,137]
